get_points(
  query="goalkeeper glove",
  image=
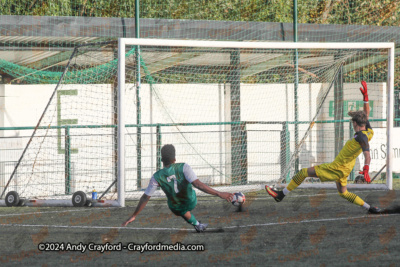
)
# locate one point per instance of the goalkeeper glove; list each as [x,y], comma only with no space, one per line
[364,91]
[365,173]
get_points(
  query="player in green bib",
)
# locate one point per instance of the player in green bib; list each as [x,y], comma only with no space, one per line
[176,180]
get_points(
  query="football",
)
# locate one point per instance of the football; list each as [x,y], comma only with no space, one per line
[238,199]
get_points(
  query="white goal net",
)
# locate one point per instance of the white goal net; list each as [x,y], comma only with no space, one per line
[242,114]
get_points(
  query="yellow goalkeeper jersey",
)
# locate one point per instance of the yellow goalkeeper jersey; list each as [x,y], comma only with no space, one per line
[346,158]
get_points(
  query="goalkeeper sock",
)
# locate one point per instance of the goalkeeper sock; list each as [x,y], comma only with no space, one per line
[353,198]
[192,220]
[285,191]
[297,180]
[366,206]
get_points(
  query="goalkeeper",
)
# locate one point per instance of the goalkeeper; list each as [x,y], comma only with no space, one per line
[340,168]
[176,180]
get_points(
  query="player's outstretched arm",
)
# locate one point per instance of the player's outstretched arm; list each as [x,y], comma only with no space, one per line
[142,203]
[364,91]
[365,170]
[206,189]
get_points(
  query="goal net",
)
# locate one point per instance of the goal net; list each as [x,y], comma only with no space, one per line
[241,114]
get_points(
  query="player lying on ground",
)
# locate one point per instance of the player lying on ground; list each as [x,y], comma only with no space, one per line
[340,168]
[176,180]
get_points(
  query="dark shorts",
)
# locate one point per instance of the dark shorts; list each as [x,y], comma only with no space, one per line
[181,210]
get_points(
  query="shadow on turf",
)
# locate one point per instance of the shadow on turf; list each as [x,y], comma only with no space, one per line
[392,210]
[219,230]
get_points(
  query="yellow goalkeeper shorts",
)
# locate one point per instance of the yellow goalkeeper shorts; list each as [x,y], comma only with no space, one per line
[329,172]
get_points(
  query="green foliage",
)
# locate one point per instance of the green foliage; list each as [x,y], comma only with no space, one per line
[361,12]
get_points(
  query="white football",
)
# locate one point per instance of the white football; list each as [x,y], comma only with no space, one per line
[238,199]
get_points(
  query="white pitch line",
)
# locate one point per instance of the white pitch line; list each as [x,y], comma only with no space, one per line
[308,221]
[88,227]
[180,229]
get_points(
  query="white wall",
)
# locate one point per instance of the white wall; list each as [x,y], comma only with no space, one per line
[22,105]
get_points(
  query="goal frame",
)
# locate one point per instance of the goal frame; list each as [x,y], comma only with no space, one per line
[123,42]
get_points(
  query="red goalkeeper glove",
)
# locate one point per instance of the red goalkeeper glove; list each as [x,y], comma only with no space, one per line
[364,91]
[366,174]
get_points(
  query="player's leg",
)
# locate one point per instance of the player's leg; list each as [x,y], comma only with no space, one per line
[189,217]
[353,198]
[299,178]
[186,215]
[294,183]
[185,212]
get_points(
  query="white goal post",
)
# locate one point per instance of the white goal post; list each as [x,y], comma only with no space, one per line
[123,42]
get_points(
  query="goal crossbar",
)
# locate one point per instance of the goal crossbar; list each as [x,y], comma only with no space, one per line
[266,45]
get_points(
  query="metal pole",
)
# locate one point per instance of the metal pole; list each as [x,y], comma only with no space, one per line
[121,123]
[239,149]
[114,103]
[338,110]
[115,118]
[67,161]
[295,20]
[296,84]
[221,177]
[352,173]
[159,143]
[285,150]
[390,112]
[138,108]
[151,130]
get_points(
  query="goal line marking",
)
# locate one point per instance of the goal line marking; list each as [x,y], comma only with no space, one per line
[183,229]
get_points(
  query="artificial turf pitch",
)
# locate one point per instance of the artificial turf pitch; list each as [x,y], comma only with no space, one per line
[310,227]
